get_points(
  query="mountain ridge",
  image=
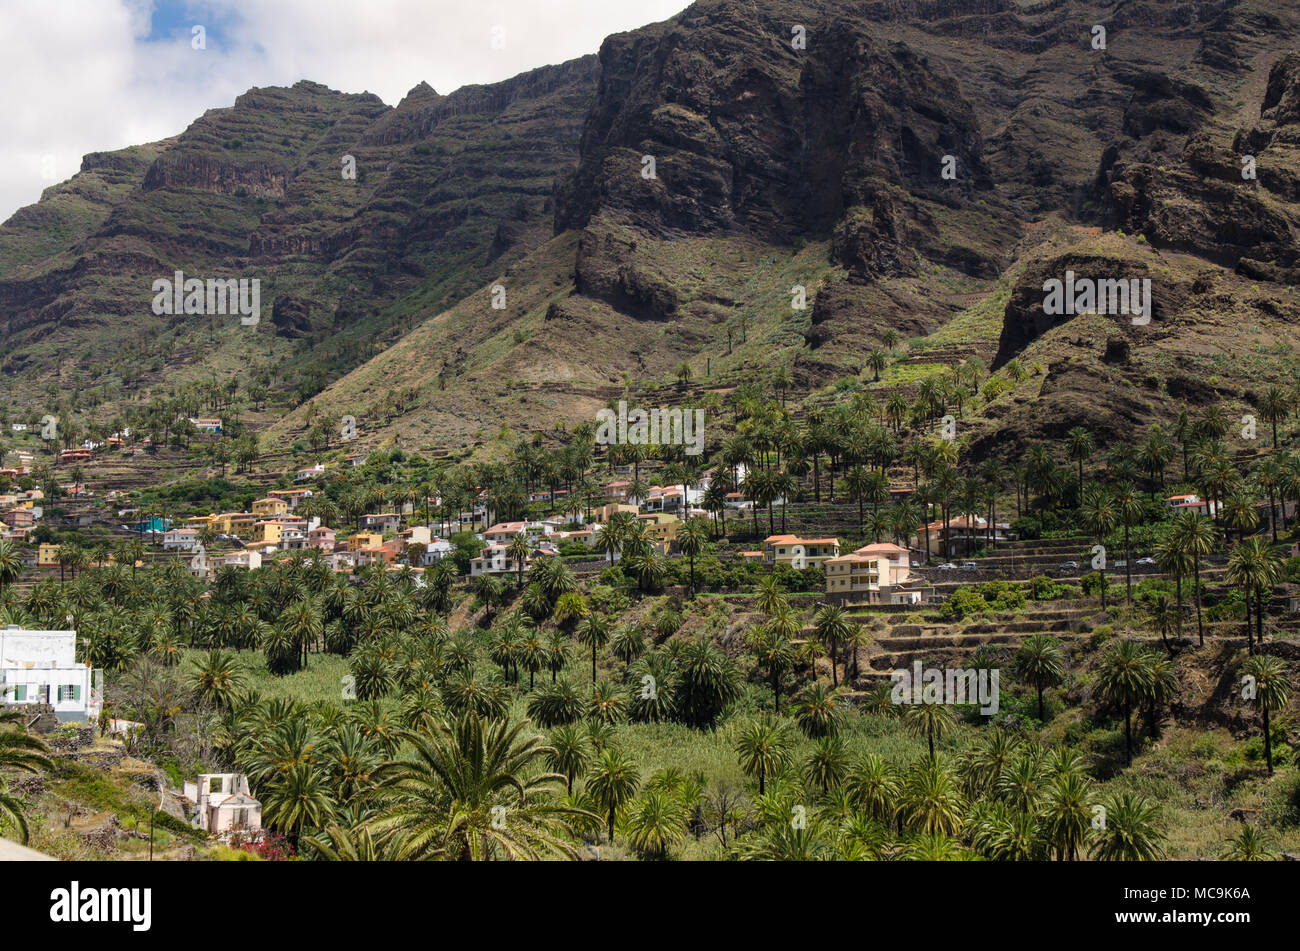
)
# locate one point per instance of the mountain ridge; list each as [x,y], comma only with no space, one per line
[773,166]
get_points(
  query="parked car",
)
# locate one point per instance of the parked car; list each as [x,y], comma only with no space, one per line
[1146,561]
[1069,566]
[969,566]
[947,566]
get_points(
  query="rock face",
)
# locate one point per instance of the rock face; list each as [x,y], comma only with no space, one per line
[657,202]
[308,190]
[746,130]
[291,316]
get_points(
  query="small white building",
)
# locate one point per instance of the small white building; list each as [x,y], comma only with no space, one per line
[180,539]
[40,667]
[247,559]
[436,550]
[223,803]
[492,560]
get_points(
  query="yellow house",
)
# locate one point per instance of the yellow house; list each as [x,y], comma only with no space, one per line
[364,540]
[268,507]
[661,527]
[239,523]
[267,533]
[47,555]
[201,521]
[602,513]
[873,574]
[795,552]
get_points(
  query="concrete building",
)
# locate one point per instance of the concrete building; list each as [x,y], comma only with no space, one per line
[223,803]
[795,552]
[40,667]
[873,574]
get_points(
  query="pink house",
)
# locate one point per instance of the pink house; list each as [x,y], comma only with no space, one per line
[322,538]
[223,803]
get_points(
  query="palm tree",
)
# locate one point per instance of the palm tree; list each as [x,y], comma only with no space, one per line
[569,754]
[1194,535]
[1099,516]
[656,823]
[818,713]
[827,766]
[930,799]
[832,628]
[1269,688]
[1175,559]
[488,589]
[1066,814]
[876,361]
[1163,617]
[1124,679]
[1249,845]
[297,799]
[519,552]
[613,783]
[1041,663]
[771,644]
[693,539]
[1163,688]
[930,720]
[216,678]
[1255,566]
[764,749]
[873,787]
[594,632]
[471,792]
[1131,832]
[607,540]
[1240,515]
[11,566]
[1274,407]
[1129,509]
[18,751]
[1079,445]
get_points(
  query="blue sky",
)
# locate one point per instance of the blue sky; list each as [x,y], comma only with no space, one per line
[105,74]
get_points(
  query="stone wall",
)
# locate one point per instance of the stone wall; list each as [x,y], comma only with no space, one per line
[39,716]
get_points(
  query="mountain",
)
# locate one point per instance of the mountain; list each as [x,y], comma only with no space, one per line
[915,165]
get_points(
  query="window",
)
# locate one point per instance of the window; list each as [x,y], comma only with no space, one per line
[19,692]
[69,692]
[214,784]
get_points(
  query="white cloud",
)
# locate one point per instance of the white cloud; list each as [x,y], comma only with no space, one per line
[97,76]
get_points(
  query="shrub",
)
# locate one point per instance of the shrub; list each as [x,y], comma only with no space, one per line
[1027,526]
[964,603]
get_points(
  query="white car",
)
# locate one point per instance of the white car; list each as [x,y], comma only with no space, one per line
[947,566]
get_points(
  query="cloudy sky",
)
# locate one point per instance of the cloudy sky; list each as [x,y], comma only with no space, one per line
[93,75]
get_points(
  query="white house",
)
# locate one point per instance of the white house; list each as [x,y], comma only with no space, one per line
[436,550]
[492,560]
[223,803]
[41,667]
[311,472]
[668,498]
[503,533]
[180,539]
[249,558]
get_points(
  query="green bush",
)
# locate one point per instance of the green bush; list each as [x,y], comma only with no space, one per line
[964,603]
